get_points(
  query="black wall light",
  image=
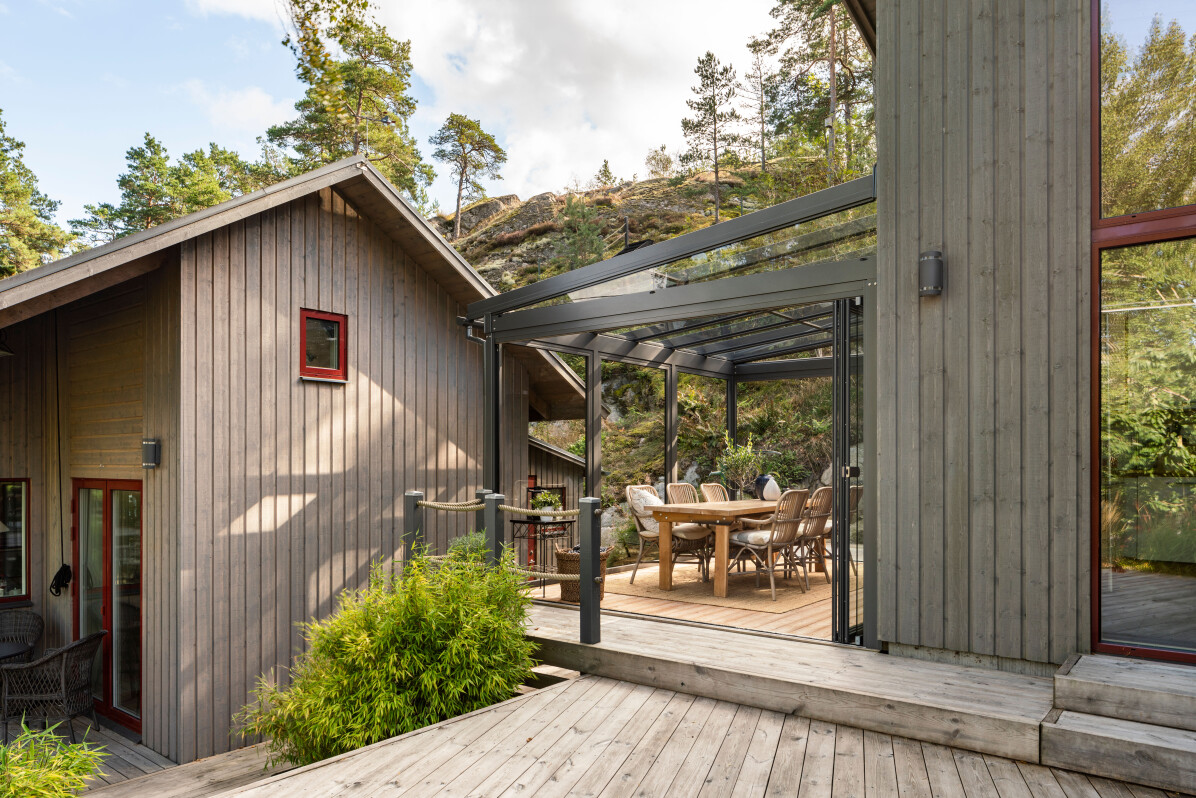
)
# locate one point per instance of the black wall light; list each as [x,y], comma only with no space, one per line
[151,452]
[930,273]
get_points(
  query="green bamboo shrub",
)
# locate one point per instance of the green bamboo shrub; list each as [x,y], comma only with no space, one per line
[39,764]
[436,641]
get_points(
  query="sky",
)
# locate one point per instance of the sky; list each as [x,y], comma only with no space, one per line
[562,85]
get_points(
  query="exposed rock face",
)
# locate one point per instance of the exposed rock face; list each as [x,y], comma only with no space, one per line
[482,211]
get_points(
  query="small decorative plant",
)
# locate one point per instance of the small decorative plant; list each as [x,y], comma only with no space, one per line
[546,500]
[739,464]
[407,651]
[40,764]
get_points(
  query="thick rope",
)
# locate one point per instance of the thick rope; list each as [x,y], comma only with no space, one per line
[439,558]
[453,507]
[506,508]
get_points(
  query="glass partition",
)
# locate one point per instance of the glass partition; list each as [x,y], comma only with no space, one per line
[1148,446]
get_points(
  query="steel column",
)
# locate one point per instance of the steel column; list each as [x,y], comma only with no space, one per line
[672,423]
[589,588]
[413,523]
[594,424]
[491,410]
[495,539]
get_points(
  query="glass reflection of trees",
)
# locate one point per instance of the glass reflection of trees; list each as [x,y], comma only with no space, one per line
[1148,119]
[1148,403]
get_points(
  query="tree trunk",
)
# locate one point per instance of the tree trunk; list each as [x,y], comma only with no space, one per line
[714,125]
[834,87]
[457,216]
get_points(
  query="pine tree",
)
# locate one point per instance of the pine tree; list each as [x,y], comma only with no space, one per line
[582,233]
[28,235]
[605,178]
[659,163]
[709,132]
[471,153]
[756,88]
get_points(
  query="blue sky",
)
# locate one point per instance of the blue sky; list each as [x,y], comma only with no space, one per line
[562,85]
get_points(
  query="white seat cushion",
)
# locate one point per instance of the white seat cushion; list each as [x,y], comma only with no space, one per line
[756,537]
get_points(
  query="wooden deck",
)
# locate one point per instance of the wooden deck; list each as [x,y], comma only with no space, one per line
[594,736]
[812,620]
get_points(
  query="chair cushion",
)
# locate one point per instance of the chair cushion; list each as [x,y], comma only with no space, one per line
[690,531]
[641,503]
[753,537]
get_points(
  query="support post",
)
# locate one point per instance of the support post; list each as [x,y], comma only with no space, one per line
[732,420]
[593,423]
[494,531]
[479,521]
[672,424]
[491,410]
[589,589]
[413,522]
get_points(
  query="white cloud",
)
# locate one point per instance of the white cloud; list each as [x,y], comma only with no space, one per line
[264,10]
[9,74]
[565,85]
[239,111]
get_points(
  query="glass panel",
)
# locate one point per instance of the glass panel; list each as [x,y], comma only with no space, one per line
[323,348]
[839,236]
[856,476]
[126,600]
[91,573]
[13,510]
[1148,445]
[1148,105]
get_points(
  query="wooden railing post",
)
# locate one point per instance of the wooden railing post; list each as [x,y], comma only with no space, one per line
[494,522]
[479,521]
[413,522]
[589,589]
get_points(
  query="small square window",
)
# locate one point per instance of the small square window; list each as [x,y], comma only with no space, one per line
[322,341]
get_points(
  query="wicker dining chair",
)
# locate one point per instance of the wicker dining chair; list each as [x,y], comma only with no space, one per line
[21,626]
[814,532]
[715,492]
[681,493]
[690,541]
[55,686]
[769,542]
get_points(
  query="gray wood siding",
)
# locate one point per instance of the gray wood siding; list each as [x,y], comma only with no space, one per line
[551,469]
[982,484]
[289,490]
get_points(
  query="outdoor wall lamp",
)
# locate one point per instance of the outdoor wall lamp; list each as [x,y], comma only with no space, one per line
[151,452]
[930,273]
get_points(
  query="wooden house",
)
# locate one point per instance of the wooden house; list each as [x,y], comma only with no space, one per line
[293,359]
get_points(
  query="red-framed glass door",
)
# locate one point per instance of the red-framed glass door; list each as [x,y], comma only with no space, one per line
[107,556]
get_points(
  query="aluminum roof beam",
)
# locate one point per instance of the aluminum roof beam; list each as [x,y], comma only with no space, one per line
[772,350]
[771,336]
[612,347]
[796,211]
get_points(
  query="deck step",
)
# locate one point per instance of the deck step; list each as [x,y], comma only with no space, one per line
[966,707]
[1159,756]
[1159,693]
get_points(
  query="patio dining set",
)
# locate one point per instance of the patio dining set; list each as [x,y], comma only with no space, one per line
[54,686]
[725,537]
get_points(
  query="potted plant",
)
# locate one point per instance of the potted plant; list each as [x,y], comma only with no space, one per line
[739,464]
[546,500]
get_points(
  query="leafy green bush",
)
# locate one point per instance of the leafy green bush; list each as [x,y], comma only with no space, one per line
[740,465]
[405,652]
[471,544]
[39,764]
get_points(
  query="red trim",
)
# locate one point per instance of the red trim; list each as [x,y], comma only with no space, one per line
[1118,231]
[340,374]
[104,706]
[28,541]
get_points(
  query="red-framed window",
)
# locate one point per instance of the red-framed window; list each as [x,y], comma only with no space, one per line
[323,345]
[14,540]
[1143,328]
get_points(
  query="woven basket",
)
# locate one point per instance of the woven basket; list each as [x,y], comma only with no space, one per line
[569,562]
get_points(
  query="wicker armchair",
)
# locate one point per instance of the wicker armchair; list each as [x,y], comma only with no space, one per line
[681,493]
[21,626]
[689,540]
[815,531]
[767,542]
[55,686]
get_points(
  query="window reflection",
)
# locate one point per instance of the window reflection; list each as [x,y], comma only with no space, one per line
[323,343]
[1148,106]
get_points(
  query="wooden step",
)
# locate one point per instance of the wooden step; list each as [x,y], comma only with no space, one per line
[1159,693]
[979,709]
[1159,756]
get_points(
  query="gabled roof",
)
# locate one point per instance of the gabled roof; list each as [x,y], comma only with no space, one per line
[556,451]
[55,284]
[863,14]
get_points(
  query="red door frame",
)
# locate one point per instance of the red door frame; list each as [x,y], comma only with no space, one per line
[104,706]
[1167,224]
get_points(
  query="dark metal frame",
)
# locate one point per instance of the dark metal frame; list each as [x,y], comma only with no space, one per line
[25,597]
[1168,224]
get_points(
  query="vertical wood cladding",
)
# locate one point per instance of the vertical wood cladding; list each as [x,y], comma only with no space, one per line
[983,130]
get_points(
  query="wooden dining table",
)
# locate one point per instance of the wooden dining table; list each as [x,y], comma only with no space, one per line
[722,516]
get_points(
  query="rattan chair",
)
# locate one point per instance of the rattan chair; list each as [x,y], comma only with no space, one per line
[690,541]
[55,686]
[682,493]
[814,531]
[768,542]
[715,492]
[21,626]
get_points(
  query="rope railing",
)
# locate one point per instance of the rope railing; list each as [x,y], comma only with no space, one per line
[532,574]
[506,508]
[471,506]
